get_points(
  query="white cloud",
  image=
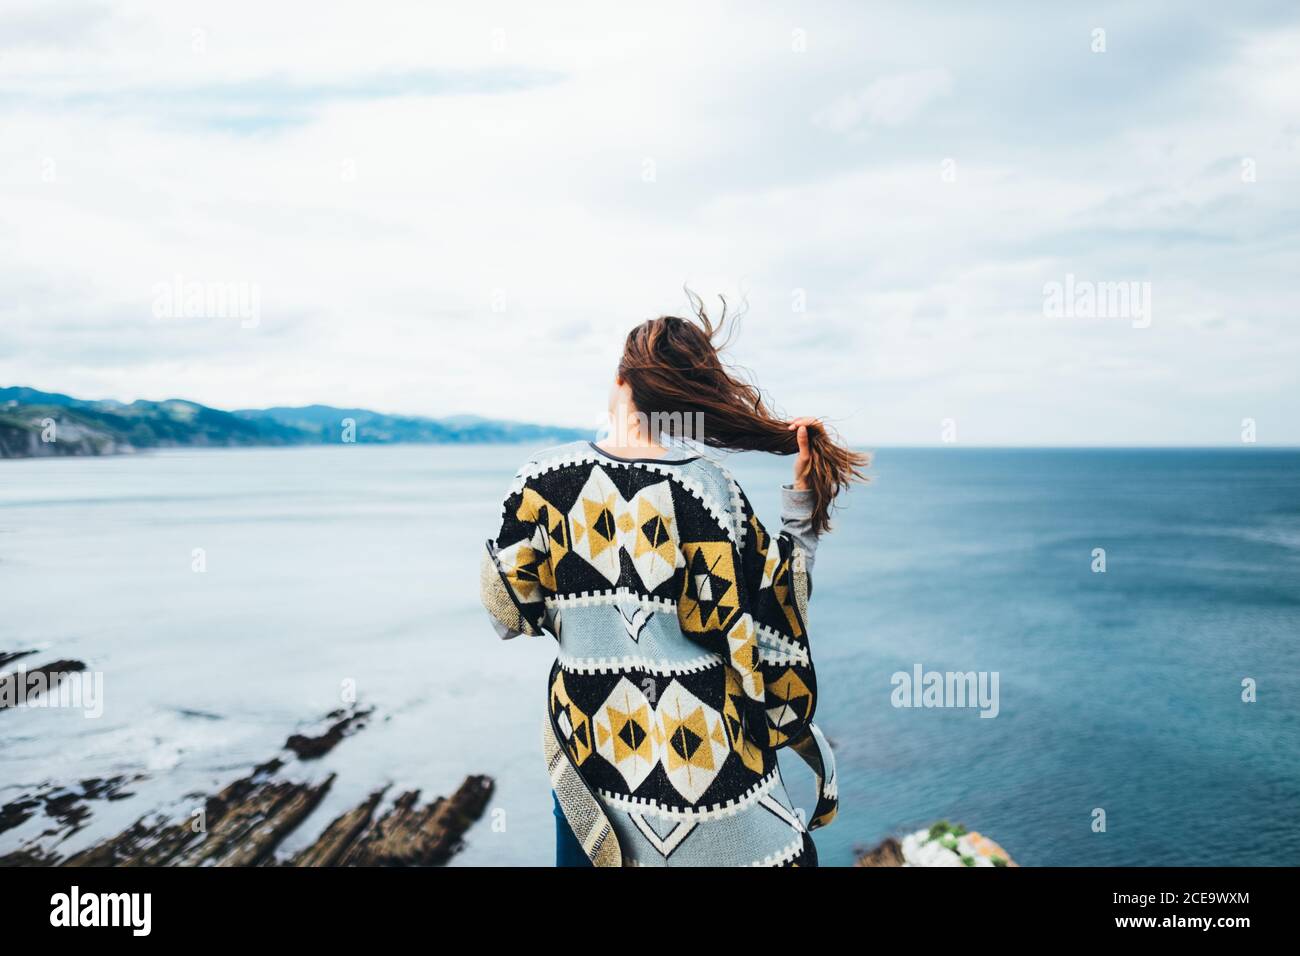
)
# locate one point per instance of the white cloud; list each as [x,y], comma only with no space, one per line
[889,101]
[448,212]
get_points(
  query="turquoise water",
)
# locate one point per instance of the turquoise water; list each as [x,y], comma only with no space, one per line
[1119,691]
[357,566]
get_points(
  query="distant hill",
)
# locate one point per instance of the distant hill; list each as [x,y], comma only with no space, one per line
[82,427]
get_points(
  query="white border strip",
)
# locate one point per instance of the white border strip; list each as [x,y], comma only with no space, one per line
[643,805]
[601,665]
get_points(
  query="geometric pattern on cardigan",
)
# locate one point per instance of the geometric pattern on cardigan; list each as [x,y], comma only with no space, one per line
[684,663]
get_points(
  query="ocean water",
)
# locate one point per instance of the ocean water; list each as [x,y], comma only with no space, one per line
[357,566]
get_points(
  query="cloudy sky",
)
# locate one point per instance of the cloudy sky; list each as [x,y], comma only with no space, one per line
[437,208]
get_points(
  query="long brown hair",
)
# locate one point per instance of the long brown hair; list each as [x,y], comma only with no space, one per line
[673,365]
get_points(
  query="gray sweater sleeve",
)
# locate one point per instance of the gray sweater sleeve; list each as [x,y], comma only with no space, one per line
[796,520]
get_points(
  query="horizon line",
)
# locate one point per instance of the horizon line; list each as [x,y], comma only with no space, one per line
[857,444]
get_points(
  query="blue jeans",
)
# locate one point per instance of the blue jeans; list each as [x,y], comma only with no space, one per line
[568,851]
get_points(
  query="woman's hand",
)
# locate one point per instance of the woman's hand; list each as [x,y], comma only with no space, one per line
[803,461]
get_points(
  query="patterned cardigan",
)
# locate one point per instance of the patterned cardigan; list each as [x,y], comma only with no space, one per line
[684,662]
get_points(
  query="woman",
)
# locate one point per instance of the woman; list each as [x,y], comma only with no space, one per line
[684,662]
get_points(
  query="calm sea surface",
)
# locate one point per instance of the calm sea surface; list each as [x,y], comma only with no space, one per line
[1120,691]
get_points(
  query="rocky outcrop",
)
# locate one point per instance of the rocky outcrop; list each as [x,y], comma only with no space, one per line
[248,820]
[888,853]
[68,807]
[944,844]
[345,724]
[17,687]
[414,835]
[341,835]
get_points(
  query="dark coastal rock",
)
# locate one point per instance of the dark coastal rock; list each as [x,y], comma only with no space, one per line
[346,724]
[17,683]
[943,844]
[160,843]
[22,430]
[250,834]
[888,853]
[130,847]
[29,856]
[332,845]
[65,805]
[411,835]
[249,819]
[17,812]
[69,807]
[244,823]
